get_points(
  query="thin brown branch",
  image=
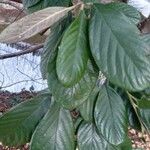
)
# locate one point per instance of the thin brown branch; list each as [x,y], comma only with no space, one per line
[13,4]
[30,50]
[29,77]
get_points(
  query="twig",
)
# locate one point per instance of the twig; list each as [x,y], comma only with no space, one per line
[30,50]
[2,82]
[143,125]
[29,77]
[19,14]
[18,83]
[14,4]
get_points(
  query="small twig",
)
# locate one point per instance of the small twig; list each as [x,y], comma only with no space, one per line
[29,77]
[19,14]
[2,82]
[13,4]
[18,83]
[131,99]
[30,50]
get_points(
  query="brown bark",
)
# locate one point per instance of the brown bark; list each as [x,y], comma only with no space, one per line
[30,50]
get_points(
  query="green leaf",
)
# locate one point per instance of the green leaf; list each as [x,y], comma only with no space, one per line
[144,104]
[133,119]
[91,1]
[110,116]
[118,49]
[18,124]
[145,117]
[129,11]
[76,95]
[88,139]
[126,145]
[87,108]
[112,147]
[92,68]
[29,3]
[77,122]
[73,96]
[65,3]
[55,131]
[35,5]
[146,39]
[69,97]
[34,8]
[73,52]
[50,47]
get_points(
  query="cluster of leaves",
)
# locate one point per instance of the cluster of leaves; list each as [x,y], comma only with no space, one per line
[97,64]
[35,5]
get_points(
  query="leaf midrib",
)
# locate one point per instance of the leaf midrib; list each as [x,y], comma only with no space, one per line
[79,37]
[118,41]
[58,120]
[113,118]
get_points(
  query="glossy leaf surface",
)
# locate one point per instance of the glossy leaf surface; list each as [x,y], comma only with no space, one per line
[87,108]
[110,116]
[29,3]
[18,124]
[35,5]
[73,52]
[65,3]
[55,131]
[129,11]
[89,139]
[118,49]
[50,46]
[145,117]
[73,96]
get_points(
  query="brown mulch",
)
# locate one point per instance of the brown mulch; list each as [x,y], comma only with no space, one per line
[25,147]
[139,140]
[8,100]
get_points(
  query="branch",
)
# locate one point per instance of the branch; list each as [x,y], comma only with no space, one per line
[19,82]
[14,4]
[30,50]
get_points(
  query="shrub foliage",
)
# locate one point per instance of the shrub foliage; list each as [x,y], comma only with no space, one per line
[97,66]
